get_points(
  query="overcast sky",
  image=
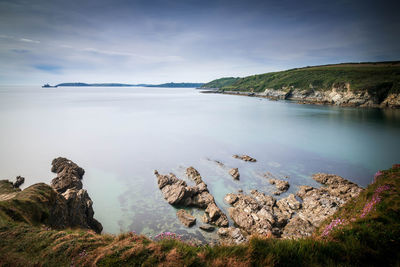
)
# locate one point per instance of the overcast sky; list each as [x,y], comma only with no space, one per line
[187,41]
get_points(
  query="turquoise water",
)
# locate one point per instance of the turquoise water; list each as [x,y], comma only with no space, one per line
[120,135]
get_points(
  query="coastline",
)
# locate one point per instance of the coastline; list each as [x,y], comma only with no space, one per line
[334,97]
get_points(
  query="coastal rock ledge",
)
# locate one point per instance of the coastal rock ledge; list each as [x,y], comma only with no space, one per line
[288,217]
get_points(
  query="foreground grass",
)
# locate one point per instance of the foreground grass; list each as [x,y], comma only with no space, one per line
[363,239]
[378,79]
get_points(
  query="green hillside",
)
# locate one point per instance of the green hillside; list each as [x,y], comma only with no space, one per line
[364,232]
[379,77]
[219,83]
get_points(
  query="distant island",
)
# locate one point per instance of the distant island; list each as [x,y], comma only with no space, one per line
[170,85]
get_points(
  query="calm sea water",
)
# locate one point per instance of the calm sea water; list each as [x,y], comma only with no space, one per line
[120,135]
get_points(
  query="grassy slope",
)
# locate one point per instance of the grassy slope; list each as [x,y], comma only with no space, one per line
[219,83]
[378,78]
[369,241]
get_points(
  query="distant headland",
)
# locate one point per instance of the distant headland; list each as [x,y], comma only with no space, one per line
[170,85]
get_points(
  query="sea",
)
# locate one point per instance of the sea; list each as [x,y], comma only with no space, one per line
[120,135]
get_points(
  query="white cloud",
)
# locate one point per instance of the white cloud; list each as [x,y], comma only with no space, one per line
[29,41]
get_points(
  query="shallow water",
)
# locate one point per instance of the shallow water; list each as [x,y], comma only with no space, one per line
[120,135]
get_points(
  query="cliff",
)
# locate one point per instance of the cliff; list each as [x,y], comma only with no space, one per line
[357,84]
[363,232]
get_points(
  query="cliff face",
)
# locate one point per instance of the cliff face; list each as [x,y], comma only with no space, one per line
[337,95]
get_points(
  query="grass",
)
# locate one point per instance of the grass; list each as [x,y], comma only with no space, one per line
[370,240]
[379,79]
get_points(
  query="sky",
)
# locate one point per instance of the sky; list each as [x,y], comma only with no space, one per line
[187,41]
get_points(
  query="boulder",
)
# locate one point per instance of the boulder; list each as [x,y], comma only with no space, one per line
[244,158]
[234,172]
[193,174]
[186,218]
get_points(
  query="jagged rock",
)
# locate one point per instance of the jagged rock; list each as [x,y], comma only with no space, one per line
[298,228]
[231,235]
[207,228]
[69,175]
[303,189]
[281,185]
[234,172]
[80,210]
[193,174]
[258,213]
[231,198]
[77,201]
[177,192]
[186,218]
[245,158]
[19,180]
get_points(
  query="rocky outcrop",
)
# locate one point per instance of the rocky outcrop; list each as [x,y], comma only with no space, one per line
[177,192]
[244,158]
[19,180]
[234,172]
[339,94]
[186,218]
[281,186]
[391,101]
[69,175]
[78,204]
[258,213]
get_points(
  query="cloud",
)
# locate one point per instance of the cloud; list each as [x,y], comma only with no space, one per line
[48,68]
[29,41]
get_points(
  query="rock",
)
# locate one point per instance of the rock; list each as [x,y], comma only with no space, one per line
[69,175]
[193,174]
[298,228]
[303,189]
[234,172]
[245,158]
[19,180]
[258,213]
[177,192]
[80,210]
[207,228]
[185,218]
[281,185]
[231,235]
[78,205]
[231,198]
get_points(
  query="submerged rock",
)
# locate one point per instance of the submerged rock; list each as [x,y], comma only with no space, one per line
[177,192]
[244,158]
[207,228]
[234,172]
[186,218]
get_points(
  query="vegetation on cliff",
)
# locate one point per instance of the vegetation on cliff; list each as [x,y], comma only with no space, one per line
[364,232]
[380,78]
